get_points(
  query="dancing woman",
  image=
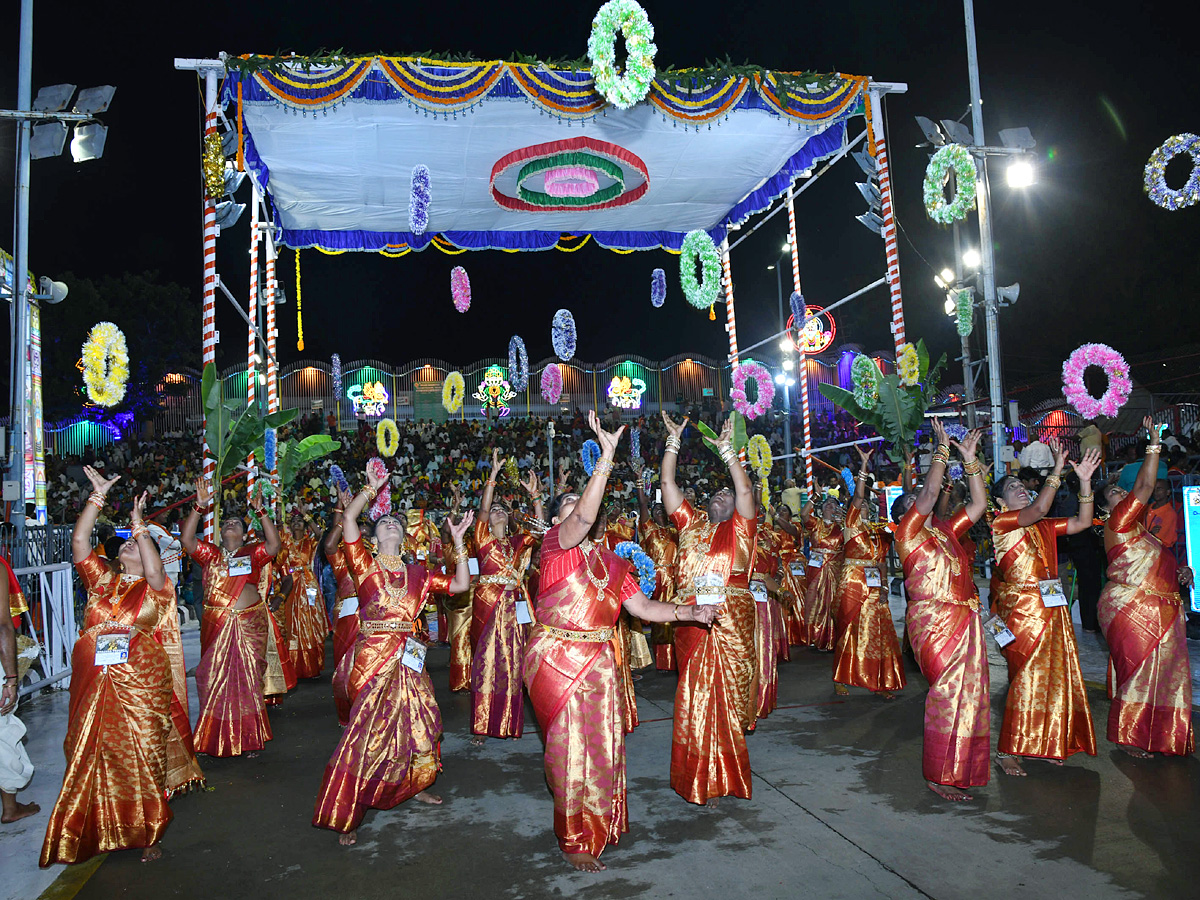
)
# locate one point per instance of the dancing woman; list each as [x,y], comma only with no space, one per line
[824,572]
[345,609]
[657,538]
[303,614]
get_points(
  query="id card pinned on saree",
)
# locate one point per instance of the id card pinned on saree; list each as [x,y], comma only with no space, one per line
[996,628]
[310,595]
[796,568]
[709,580]
[349,606]
[412,656]
[523,616]
[1052,593]
[759,591]
[816,559]
[240,565]
[873,576]
[112,648]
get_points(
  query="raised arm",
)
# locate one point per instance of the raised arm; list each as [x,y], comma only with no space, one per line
[576,526]
[270,535]
[937,471]
[974,472]
[1147,475]
[863,476]
[485,501]
[334,535]
[672,497]
[462,573]
[187,531]
[1040,507]
[1084,469]
[350,530]
[152,567]
[81,536]
[743,490]
[533,487]
[643,504]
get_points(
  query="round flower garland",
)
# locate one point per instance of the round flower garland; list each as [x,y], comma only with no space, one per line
[552,383]
[562,334]
[382,504]
[766,390]
[589,454]
[658,288]
[387,437]
[630,19]
[338,477]
[453,391]
[105,364]
[864,375]
[460,289]
[1156,183]
[965,312]
[418,199]
[647,573]
[908,365]
[698,245]
[958,158]
[1114,366]
[518,364]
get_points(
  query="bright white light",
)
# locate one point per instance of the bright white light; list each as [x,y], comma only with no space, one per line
[789,382]
[947,276]
[949,307]
[789,364]
[786,248]
[786,345]
[971,258]
[937,279]
[779,378]
[1020,174]
[771,267]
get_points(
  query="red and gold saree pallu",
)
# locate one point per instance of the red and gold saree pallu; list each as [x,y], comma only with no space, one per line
[280,674]
[303,615]
[766,647]
[459,615]
[1143,620]
[660,545]
[1046,713]
[792,598]
[229,681]
[183,770]
[820,595]
[345,634]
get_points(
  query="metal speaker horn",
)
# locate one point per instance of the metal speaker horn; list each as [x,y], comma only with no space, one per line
[51,291]
[1008,295]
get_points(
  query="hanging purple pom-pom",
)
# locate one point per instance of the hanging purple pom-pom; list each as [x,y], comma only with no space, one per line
[339,478]
[418,200]
[518,364]
[460,288]
[956,430]
[799,310]
[658,287]
[337,374]
[635,442]
[562,334]
[269,449]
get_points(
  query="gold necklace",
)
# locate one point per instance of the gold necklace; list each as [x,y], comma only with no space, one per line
[390,565]
[598,583]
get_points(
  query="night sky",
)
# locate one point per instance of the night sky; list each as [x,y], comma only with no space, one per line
[1095,259]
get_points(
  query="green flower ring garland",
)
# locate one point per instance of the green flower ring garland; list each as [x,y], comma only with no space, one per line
[965,312]
[958,158]
[864,375]
[630,19]
[698,245]
[558,160]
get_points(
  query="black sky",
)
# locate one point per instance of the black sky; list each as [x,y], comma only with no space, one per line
[1095,259]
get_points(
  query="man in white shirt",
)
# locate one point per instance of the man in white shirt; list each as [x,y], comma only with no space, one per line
[1037,455]
[169,548]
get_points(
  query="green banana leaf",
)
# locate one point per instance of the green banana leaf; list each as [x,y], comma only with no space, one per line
[292,456]
[740,439]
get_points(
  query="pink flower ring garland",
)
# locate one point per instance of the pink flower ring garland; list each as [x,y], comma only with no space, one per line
[460,288]
[766,390]
[1114,366]
[552,383]
[382,505]
[571,181]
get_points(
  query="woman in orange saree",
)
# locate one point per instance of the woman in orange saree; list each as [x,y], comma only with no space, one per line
[1144,622]
[303,613]
[792,578]
[658,540]
[866,652]
[500,615]
[390,751]
[824,573]
[345,610]
[944,626]
[717,698]
[1046,714]
[233,632]
[572,663]
[115,788]
[768,625]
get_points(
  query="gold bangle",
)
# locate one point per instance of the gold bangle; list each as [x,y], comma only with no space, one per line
[139,530]
[1087,498]
[460,555]
[973,468]
[603,467]
[1052,481]
[1154,448]
[676,613]
[371,493]
[673,444]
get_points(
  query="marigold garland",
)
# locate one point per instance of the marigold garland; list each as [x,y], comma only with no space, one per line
[1114,366]
[766,390]
[758,454]
[562,334]
[460,289]
[630,19]
[454,389]
[958,158]
[299,307]
[698,245]
[658,288]
[105,364]
[908,365]
[1156,183]
[552,383]
[864,375]
[387,437]
[518,364]
[418,199]
[647,572]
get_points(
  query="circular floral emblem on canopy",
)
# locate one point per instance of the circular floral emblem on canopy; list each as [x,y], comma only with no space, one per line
[629,19]
[1114,366]
[958,158]
[1156,183]
[579,174]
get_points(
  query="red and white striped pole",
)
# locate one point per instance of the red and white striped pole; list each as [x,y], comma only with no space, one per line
[801,359]
[272,369]
[878,149]
[208,316]
[252,310]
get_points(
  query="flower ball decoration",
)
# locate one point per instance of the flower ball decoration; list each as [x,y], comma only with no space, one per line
[1114,366]
[518,364]
[387,437]
[1156,183]
[766,390]
[698,245]
[958,158]
[552,383]
[454,389]
[628,18]
[647,573]
[908,365]
[658,288]
[105,364]
[460,289]
[418,200]
[864,376]
[562,334]
[957,431]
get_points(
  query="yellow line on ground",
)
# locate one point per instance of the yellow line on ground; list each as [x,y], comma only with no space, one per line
[72,879]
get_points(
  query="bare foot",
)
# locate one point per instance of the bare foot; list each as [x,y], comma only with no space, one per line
[20,811]
[478,740]
[1135,752]
[841,690]
[712,802]
[349,839]
[948,792]
[1053,762]
[150,854]
[584,862]
[1010,765]
[253,754]
[431,799]
[886,695]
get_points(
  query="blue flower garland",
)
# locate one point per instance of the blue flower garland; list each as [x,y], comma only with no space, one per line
[562,334]
[1156,184]
[957,431]
[339,478]
[337,375]
[269,449]
[418,200]
[848,477]
[590,454]
[518,364]
[658,288]
[799,310]
[631,551]
[635,442]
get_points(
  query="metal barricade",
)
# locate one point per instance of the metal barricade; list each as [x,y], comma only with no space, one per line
[50,592]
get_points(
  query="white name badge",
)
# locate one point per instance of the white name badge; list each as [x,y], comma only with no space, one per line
[239,565]
[873,576]
[816,559]
[112,648]
[759,590]
[523,616]
[996,628]
[349,606]
[709,580]
[310,595]
[420,554]
[473,566]
[797,569]
[413,655]
[1052,593]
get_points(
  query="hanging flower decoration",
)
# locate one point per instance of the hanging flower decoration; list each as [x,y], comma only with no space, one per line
[589,455]
[647,573]
[382,504]
[552,383]
[965,312]
[758,454]
[1156,183]
[460,289]
[213,161]
[418,200]
[454,389]
[958,158]
[336,374]
[908,365]
[387,437]
[105,364]
[957,431]
[658,288]
[864,376]
[1114,366]
[766,390]
[628,18]
[698,245]
[338,477]
[799,309]
[955,470]
[635,443]
[848,480]
[270,449]
[562,334]
[647,479]
[518,364]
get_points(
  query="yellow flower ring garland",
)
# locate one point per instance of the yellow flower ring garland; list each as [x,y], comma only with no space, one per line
[758,452]
[453,391]
[105,364]
[387,437]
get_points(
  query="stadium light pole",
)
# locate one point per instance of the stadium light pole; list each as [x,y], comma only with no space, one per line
[787,396]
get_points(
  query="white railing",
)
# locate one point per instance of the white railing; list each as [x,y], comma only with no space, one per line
[56,632]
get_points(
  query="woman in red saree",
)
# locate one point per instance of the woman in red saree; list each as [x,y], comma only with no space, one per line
[824,573]
[1046,714]
[866,652]
[234,632]
[658,540]
[498,633]
[944,626]
[123,702]
[345,610]
[303,613]
[572,663]
[1144,622]
[793,578]
[390,751]
[768,627]
[716,701]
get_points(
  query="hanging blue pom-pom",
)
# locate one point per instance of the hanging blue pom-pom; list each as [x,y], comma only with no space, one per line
[590,454]
[798,309]
[658,287]
[269,448]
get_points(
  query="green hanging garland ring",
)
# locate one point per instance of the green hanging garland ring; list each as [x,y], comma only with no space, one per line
[958,158]
[630,19]
[698,245]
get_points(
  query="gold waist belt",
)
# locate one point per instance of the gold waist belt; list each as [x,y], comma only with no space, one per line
[716,589]
[508,582]
[1172,597]
[865,563]
[599,636]
[114,627]
[388,626]
[232,611]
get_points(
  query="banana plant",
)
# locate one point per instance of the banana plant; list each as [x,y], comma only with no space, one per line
[291,456]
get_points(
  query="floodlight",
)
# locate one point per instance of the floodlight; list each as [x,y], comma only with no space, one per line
[233,179]
[779,378]
[948,276]
[870,193]
[786,248]
[789,382]
[959,133]
[949,306]
[1020,174]
[866,162]
[1017,138]
[786,345]
[53,98]
[1008,294]
[88,142]
[971,258]
[872,222]
[51,291]
[47,140]
[939,281]
[789,364]
[932,133]
[771,267]
[94,99]
[228,213]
